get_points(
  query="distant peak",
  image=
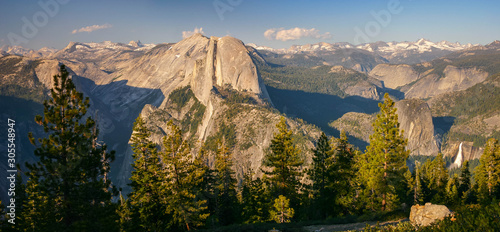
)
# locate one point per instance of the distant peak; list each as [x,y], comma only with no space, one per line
[136,43]
[197,34]
[494,43]
[422,41]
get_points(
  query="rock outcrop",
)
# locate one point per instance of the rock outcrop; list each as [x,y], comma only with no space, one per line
[123,81]
[468,151]
[453,79]
[363,89]
[200,62]
[415,120]
[394,76]
[427,84]
[424,215]
[355,124]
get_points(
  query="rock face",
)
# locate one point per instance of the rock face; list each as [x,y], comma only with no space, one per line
[363,89]
[200,62]
[356,124]
[123,81]
[427,84]
[394,76]
[415,120]
[427,214]
[468,151]
[453,79]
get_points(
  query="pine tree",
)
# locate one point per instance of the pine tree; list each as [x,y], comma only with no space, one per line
[146,198]
[226,199]
[320,176]
[418,197]
[282,213]
[465,186]
[127,219]
[452,190]
[68,188]
[437,178]
[488,172]
[184,178]
[254,199]
[285,163]
[383,165]
[342,173]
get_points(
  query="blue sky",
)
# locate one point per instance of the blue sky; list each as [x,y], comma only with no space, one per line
[286,22]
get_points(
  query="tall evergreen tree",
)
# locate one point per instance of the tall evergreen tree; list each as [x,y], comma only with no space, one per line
[225,189]
[342,174]
[68,188]
[182,186]
[488,172]
[418,197]
[465,185]
[127,219]
[284,163]
[254,199]
[452,194]
[383,165]
[146,198]
[436,177]
[320,176]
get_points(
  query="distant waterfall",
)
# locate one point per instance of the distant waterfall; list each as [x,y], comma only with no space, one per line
[460,158]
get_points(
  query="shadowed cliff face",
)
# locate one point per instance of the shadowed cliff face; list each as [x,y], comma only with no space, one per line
[415,120]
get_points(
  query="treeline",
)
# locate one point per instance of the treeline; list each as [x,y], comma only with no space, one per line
[176,189]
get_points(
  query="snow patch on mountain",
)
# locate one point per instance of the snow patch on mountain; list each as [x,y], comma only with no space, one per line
[420,46]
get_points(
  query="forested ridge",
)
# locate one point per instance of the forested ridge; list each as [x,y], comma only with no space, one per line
[319,79]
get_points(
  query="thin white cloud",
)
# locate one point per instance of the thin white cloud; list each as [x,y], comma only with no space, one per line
[186,34]
[295,34]
[92,28]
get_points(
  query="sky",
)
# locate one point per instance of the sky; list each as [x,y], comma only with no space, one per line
[279,24]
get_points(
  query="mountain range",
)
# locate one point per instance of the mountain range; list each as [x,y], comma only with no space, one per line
[364,57]
[221,89]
